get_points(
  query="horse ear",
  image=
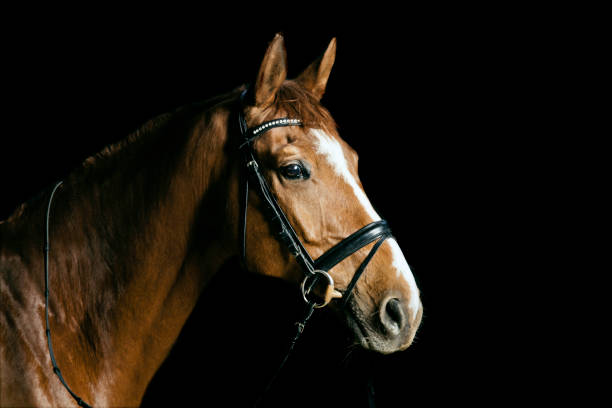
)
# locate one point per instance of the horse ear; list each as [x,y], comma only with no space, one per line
[272,72]
[314,78]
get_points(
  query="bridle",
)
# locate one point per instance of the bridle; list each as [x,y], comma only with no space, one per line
[314,270]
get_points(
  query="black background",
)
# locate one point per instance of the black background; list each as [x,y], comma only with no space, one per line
[445,108]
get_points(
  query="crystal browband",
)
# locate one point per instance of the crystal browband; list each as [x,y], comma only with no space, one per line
[274,123]
[254,132]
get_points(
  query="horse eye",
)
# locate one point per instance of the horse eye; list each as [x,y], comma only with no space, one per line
[294,171]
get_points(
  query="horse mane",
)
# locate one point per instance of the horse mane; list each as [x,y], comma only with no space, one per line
[153,125]
[291,100]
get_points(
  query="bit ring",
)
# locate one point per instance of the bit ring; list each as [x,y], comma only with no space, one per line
[308,283]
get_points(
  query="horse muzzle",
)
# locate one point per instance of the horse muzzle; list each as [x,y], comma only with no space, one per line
[391,328]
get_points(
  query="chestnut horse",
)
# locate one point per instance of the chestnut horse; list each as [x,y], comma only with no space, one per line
[139,229]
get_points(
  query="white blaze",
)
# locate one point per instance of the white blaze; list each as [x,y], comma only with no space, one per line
[331,149]
[401,265]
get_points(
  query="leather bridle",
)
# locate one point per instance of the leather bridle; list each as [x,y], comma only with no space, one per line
[314,270]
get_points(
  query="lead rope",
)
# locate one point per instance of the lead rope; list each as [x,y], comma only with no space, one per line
[46,248]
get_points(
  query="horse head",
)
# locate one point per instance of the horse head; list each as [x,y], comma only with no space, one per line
[313,175]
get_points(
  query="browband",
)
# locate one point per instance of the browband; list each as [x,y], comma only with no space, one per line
[251,134]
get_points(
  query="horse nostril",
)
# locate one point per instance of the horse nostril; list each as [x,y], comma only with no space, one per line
[392,316]
[394,310]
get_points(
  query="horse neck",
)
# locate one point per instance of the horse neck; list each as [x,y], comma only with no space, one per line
[129,258]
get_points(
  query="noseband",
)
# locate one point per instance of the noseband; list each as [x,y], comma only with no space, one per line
[314,270]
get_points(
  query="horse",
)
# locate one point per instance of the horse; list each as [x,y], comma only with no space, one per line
[137,232]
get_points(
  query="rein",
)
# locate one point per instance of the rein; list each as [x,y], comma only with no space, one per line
[46,249]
